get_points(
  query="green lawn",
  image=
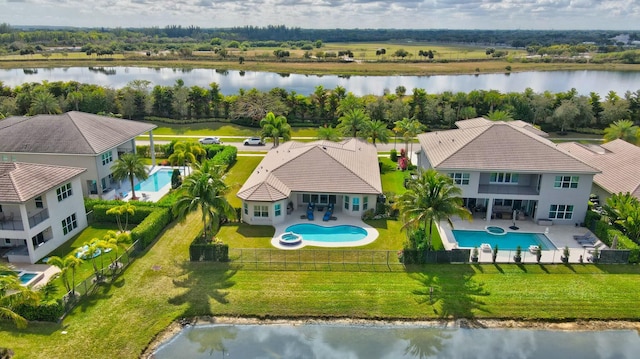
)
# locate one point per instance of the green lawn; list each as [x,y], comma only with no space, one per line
[222,129]
[238,174]
[392,179]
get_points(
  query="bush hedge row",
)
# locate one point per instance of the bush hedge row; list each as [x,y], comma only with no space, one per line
[226,157]
[151,226]
[45,312]
[100,213]
[212,252]
[605,233]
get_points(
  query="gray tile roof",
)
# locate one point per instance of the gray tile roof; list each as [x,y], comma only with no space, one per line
[618,162]
[20,182]
[70,133]
[350,166]
[481,121]
[497,146]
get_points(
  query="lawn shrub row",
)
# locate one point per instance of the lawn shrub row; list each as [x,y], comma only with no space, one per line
[213,150]
[226,157]
[45,312]
[213,252]
[151,226]
[606,234]
[100,214]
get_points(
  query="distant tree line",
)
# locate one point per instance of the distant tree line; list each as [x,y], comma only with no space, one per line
[140,100]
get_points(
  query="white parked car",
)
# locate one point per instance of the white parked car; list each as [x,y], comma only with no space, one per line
[254,141]
[210,141]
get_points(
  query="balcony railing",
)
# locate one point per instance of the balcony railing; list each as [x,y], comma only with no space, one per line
[507,189]
[12,225]
[38,218]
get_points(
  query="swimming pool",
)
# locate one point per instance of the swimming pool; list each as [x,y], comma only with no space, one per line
[27,278]
[508,241]
[334,234]
[156,181]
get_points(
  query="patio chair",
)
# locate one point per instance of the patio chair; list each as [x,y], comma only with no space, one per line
[486,247]
[310,214]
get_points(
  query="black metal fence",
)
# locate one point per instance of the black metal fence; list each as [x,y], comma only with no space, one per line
[108,271]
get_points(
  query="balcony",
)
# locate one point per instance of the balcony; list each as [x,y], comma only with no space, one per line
[11,224]
[508,189]
[38,218]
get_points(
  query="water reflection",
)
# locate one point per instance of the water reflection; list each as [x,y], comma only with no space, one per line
[230,82]
[336,341]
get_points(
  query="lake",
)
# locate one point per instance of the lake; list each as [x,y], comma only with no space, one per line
[231,81]
[376,341]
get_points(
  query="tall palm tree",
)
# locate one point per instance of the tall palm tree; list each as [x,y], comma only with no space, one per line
[75,97]
[44,102]
[275,127]
[622,129]
[376,130]
[353,121]
[125,209]
[186,153]
[432,197]
[13,294]
[205,190]
[328,133]
[130,166]
[500,115]
[409,128]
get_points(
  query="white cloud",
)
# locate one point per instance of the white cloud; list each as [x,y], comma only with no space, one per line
[454,14]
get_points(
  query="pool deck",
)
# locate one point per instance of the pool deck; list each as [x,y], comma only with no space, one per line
[294,218]
[148,196]
[48,271]
[559,235]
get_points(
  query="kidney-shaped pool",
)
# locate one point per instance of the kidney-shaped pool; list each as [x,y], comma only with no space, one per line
[327,236]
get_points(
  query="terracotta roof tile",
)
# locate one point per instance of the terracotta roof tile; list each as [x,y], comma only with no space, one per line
[20,182]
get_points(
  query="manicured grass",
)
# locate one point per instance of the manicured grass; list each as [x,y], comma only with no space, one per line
[237,175]
[161,286]
[222,129]
[392,179]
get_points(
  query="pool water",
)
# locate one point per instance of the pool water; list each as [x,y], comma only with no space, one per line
[313,232]
[27,277]
[156,181]
[509,241]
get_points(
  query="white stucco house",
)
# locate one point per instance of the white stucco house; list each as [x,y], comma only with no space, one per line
[75,139]
[295,174]
[41,207]
[618,162]
[503,167]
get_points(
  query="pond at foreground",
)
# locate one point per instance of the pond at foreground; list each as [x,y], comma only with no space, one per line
[376,341]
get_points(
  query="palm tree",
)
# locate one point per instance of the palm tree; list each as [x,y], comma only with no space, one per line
[13,294]
[275,127]
[376,130]
[186,153]
[115,239]
[353,122]
[130,166]
[75,97]
[622,129]
[44,103]
[92,249]
[409,128]
[125,210]
[328,133]
[432,197]
[204,189]
[500,115]
[69,263]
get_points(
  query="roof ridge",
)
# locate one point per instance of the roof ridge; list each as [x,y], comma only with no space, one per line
[347,168]
[486,128]
[73,120]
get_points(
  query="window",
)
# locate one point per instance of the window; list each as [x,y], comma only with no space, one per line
[64,192]
[560,211]
[69,224]
[324,199]
[107,157]
[5,158]
[39,203]
[246,208]
[356,204]
[260,211]
[346,202]
[501,177]
[314,198]
[365,203]
[566,182]
[460,178]
[277,209]
[306,198]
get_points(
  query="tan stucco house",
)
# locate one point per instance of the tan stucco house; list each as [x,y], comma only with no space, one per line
[295,174]
[75,139]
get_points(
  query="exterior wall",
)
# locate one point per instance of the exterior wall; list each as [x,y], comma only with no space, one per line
[423,162]
[248,212]
[577,197]
[602,194]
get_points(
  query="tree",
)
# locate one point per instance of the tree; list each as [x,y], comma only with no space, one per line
[132,167]
[376,130]
[205,190]
[566,113]
[275,127]
[623,211]
[622,129]
[91,250]
[13,294]
[409,128]
[432,197]
[186,153]
[352,122]
[499,115]
[328,133]
[75,98]
[125,210]
[44,103]
[66,264]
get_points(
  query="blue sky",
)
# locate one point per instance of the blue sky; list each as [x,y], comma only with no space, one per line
[416,14]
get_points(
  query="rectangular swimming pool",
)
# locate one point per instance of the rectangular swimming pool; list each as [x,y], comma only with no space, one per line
[507,241]
[156,181]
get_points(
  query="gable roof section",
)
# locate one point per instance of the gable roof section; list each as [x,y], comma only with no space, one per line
[497,146]
[618,162]
[350,166]
[20,182]
[70,133]
[481,121]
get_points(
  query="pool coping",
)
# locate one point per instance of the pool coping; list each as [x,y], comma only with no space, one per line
[372,233]
[146,196]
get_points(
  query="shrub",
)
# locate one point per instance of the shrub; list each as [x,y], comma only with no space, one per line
[214,252]
[151,227]
[213,150]
[393,155]
[46,312]
[100,214]
[226,157]
[591,218]
[368,214]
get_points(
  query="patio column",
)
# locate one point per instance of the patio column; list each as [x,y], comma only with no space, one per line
[489,209]
[152,149]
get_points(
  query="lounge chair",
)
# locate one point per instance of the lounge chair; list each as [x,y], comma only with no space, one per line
[310,214]
[486,247]
[533,248]
[327,215]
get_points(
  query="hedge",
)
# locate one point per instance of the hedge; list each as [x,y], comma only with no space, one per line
[226,157]
[150,227]
[46,312]
[605,233]
[213,252]
[213,150]
[100,214]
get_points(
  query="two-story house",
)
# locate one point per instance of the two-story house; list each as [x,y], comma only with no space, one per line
[41,207]
[506,168]
[74,139]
